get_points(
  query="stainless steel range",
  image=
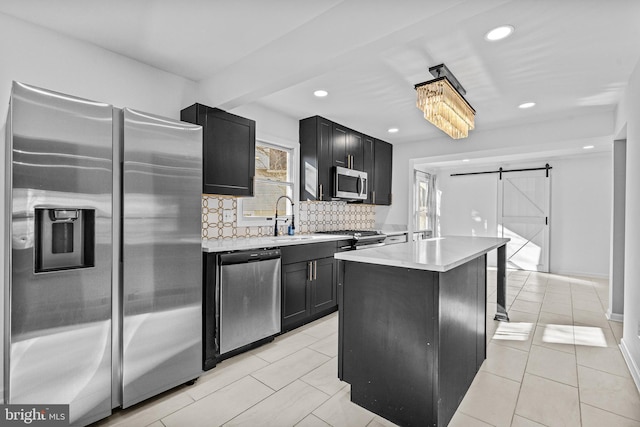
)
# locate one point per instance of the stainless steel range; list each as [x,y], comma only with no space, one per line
[361,239]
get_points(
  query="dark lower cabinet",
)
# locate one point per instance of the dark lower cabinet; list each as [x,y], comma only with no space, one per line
[308,291]
[309,283]
[210,349]
[295,293]
[323,285]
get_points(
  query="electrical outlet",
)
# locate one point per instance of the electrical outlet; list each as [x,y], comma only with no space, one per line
[227,215]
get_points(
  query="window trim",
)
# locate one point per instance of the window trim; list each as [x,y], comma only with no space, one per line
[420,176]
[264,221]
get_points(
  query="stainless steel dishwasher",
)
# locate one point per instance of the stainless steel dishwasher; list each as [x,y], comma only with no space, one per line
[249,297]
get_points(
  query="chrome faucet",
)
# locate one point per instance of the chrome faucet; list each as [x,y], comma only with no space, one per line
[275,225]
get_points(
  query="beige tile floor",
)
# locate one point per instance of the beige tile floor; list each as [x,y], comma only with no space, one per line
[557,363]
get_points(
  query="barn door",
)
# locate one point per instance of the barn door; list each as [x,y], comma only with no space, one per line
[523,216]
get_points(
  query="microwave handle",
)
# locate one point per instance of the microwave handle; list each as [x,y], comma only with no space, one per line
[361,186]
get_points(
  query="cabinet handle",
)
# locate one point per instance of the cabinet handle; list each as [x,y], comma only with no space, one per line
[321,193]
[374,196]
[310,271]
[315,270]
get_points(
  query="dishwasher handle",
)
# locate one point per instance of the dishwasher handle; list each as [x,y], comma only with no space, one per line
[243,257]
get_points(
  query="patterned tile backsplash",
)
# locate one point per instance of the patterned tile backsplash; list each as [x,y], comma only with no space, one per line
[312,217]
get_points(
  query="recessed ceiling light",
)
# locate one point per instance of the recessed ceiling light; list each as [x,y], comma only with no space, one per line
[393,130]
[465,160]
[526,105]
[499,33]
[321,93]
[588,147]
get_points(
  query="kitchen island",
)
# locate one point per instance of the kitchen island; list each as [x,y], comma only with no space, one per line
[412,331]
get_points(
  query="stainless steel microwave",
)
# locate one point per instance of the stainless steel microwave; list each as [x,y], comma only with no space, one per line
[350,184]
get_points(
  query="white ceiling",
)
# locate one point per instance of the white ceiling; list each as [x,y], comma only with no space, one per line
[571,57]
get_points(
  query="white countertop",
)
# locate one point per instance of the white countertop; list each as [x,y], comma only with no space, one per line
[224,245]
[436,254]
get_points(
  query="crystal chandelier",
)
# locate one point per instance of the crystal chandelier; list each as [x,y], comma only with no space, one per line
[442,102]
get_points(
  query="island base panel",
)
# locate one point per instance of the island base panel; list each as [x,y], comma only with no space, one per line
[462,333]
[389,341]
[412,340]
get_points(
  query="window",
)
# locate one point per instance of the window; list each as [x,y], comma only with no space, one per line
[273,178]
[422,201]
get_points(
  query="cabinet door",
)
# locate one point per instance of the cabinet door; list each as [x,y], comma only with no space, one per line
[228,149]
[339,145]
[324,160]
[367,155]
[354,151]
[295,293]
[383,159]
[323,285]
[315,155]
[229,154]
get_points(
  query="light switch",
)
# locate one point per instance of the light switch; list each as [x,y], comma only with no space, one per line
[227,215]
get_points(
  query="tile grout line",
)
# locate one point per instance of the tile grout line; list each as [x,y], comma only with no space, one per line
[573,333]
[609,412]
[515,407]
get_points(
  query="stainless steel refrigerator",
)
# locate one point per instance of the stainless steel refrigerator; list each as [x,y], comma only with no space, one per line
[103,293]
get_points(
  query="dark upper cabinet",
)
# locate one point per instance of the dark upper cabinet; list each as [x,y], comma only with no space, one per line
[325,145]
[315,159]
[339,145]
[229,145]
[346,147]
[368,167]
[355,151]
[382,166]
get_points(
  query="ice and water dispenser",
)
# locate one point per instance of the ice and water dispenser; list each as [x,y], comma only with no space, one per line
[65,238]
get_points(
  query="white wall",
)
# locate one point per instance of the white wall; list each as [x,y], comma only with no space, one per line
[553,138]
[36,56]
[629,115]
[468,203]
[580,215]
[271,126]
